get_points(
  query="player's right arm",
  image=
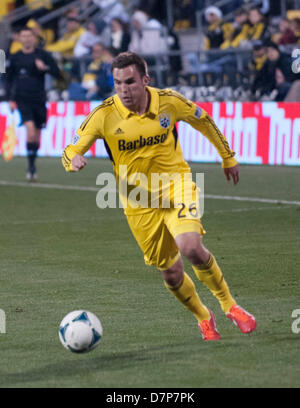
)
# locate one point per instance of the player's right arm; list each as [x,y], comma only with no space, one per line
[89,131]
[9,80]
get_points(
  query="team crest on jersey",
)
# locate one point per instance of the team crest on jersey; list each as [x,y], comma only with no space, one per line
[198,112]
[75,139]
[164,120]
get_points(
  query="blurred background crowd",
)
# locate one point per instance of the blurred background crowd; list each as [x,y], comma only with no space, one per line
[223,50]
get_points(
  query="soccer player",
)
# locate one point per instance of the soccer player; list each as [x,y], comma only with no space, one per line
[25,89]
[138,128]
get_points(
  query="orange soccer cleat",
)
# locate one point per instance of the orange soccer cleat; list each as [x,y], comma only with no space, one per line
[242,319]
[208,328]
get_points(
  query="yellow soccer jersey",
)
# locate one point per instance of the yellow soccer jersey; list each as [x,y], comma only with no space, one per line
[148,143]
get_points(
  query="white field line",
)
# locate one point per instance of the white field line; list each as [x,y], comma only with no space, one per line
[234,210]
[82,188]
[44,185]
[252,199]
[66,220]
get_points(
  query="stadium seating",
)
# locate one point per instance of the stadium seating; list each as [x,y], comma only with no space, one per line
[212,74]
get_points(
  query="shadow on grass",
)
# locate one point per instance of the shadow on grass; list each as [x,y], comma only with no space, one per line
[83,364]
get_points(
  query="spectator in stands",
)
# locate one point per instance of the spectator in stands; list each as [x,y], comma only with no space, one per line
[148,36]
[120,36]
[65,45]
[87,40]
[276,74]
[6,6]
[240,29]
[184,14]
[258,27]
[97,82]
[285,35]
[156,8]
[259,55]
[44,36]
[259,58]
[218,31]
[38,7]
[174,60]
[295,26]
[73,12]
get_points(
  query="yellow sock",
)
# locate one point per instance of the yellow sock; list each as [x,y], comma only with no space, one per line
[211,275]
[186,293]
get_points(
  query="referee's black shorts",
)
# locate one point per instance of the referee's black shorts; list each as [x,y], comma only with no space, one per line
[33,111]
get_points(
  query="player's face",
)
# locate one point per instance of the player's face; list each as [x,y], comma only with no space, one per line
[27,39]
[130,86]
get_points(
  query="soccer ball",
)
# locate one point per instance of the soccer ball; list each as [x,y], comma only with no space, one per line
[80,331]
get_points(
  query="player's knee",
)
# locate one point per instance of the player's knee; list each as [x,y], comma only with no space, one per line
[173,275]
[31,138]
[195,253]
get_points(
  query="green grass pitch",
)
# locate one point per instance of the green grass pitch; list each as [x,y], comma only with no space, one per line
[60,252]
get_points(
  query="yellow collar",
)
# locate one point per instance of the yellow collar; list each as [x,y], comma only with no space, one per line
[153,107]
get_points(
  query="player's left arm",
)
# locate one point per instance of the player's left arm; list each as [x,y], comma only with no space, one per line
[189,112]
[48,64]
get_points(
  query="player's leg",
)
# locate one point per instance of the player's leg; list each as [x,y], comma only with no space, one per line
[39,112]
[33,137]
[185,226]
[183,288]
[27,116]
[160,250]
[205,266]
[208,271]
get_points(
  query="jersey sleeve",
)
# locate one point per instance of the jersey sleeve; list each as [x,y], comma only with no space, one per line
[189,112]
[53,67]
[9,78]
[89,131]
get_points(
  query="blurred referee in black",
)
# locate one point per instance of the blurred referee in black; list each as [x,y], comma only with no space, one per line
[25,90]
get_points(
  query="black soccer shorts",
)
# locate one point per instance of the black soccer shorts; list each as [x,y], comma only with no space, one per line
[33,111]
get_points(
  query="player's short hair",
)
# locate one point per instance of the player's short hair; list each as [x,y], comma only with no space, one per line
[125,59]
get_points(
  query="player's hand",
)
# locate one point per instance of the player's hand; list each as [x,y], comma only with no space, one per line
[41,65]
[232,172]
[78,162]
[12,106]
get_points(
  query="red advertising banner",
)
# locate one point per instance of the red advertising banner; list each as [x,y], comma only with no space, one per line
[259,132]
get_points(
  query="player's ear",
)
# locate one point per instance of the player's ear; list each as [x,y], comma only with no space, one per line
[146,80]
